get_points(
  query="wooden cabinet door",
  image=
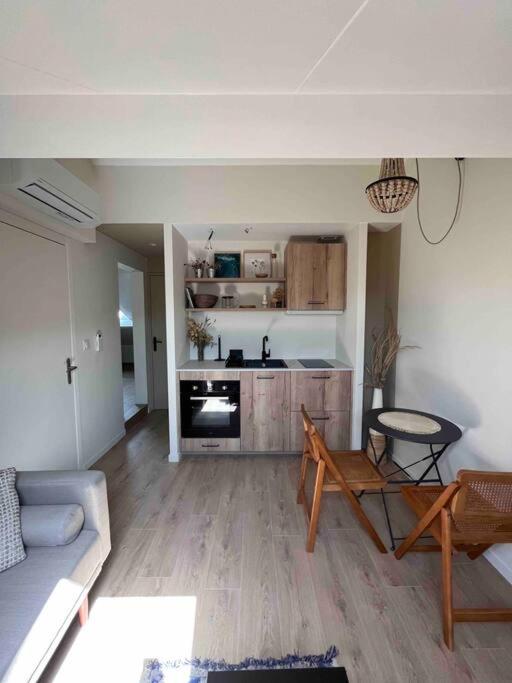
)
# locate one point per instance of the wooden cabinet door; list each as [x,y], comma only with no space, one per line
[315,276]
[334,426]
[299,275]
[336,285]
[321,390]
[269,427]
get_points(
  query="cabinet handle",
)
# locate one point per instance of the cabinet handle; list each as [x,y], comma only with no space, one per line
[320,418]
[258,377]
[316,302]
[210,445]
[318,377]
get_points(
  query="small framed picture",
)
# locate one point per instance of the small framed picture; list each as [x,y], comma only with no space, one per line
[227,264]
[257,263]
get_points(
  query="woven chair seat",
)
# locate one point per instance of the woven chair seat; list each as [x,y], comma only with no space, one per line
[357,470]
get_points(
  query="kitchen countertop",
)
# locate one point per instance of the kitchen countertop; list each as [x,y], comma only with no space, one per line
[292,363]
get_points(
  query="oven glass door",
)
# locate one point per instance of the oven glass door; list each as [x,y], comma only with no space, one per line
[211,412]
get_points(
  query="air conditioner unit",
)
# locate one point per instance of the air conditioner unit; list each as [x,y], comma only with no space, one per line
[47,186]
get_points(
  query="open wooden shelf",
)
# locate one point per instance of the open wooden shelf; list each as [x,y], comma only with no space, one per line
[217,309]
[234,280]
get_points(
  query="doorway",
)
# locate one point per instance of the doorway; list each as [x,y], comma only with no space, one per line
[38,423]
[158,340]
[132,328]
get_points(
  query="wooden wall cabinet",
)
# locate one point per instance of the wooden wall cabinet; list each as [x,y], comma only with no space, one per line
[265,410]
[315,276]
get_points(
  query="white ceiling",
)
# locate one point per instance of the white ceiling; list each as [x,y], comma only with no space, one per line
[145,238]
[248,46]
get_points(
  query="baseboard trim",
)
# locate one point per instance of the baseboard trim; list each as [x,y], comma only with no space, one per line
[498,564]
[104,450]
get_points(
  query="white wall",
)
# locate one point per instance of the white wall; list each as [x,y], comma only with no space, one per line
[95,304]
[350,326]
[176,251]
[236,194]
[456,304]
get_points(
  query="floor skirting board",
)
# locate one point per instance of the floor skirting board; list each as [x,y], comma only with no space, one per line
[90,462]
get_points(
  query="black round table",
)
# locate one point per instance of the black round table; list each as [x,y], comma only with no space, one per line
[437,443]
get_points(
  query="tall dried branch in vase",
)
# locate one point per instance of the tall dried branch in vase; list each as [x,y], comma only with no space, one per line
[386,345]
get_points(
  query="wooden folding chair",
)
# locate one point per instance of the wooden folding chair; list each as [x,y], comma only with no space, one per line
[470,515]
[341,471]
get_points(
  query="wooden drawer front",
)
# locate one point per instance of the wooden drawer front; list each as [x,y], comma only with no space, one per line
[333,426]
[216,375]
[321,390]
[210,445]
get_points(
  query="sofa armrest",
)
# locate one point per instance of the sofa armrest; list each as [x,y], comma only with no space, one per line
[87,488]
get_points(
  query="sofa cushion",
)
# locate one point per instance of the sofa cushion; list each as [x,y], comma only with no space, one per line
[48,525]
[38,598]
[11,543]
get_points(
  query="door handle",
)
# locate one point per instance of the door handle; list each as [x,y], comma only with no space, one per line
[69,369]
[155,342]
[320,418]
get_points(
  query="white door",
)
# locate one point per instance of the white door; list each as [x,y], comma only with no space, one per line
[37,405]
[158,341]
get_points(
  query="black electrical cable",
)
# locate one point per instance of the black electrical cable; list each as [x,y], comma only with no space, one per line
[457,208]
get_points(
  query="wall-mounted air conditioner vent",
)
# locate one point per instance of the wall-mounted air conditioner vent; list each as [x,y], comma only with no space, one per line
[50,188]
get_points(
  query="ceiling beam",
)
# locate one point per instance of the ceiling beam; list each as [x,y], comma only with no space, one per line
[255,126]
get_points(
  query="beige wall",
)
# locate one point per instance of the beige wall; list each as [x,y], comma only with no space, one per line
[382,282]
[456,304]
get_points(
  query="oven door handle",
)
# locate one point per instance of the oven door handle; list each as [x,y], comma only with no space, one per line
[209,398]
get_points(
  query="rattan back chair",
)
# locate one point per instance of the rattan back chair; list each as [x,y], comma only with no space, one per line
[338,471]
[469,515]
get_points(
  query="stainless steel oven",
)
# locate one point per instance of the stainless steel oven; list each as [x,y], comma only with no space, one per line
[210,409]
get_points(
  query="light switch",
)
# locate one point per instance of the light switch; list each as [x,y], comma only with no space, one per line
[86,344]
[98,341]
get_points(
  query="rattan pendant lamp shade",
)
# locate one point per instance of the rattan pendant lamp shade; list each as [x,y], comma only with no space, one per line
[394,190]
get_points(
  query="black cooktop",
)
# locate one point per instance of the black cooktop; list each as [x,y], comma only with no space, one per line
[315,363]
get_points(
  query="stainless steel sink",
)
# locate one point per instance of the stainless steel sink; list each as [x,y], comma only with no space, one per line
[269,363]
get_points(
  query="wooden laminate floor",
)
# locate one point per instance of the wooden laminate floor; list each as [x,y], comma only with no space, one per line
[227,530]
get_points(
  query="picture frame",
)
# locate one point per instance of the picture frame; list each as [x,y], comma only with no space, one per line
[227,264]
[257,263]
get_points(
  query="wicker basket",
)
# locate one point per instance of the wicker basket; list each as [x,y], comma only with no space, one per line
[205,300]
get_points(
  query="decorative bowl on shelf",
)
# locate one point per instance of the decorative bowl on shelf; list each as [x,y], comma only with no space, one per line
[205,300]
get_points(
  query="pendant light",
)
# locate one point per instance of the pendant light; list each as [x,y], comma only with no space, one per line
[394,190]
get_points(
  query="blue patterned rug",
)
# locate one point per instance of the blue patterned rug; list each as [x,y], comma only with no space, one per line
[196,670]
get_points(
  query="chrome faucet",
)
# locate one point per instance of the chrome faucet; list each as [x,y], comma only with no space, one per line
[264,353]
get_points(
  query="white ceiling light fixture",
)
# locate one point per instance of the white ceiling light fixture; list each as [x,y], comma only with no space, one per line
[394,190]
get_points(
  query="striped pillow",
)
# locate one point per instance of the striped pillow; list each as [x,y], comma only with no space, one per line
[11,543]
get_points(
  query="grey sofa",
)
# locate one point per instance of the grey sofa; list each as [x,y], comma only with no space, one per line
[41,595]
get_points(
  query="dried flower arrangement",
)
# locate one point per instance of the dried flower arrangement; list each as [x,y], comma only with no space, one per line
[198,263]
[277,300]
[199,335]
[386,345]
